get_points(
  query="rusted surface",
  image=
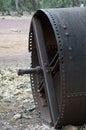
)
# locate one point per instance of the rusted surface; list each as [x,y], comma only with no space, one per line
[57,42]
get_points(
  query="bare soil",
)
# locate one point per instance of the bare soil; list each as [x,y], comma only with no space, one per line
[14,39]
[15,100]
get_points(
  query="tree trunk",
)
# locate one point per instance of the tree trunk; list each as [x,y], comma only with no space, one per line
[17,4]
[19,9]
[35,4]
[75,2]
[63,4]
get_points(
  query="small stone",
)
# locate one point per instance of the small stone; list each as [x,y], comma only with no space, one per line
[32,108]
[17,116]
[1,97]
[26,116]
[25,101]
[14,30]
[17,93]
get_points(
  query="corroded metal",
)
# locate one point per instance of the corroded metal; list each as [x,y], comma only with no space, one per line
[57,42]
[37,69]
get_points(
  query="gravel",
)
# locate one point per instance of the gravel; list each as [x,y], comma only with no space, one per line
[17,109]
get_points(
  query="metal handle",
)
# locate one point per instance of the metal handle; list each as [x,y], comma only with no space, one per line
[29,71]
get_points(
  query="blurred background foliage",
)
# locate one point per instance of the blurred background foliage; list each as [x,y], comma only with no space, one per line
[6,6]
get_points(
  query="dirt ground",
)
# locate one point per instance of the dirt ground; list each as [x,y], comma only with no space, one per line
[15,96]
[14,39]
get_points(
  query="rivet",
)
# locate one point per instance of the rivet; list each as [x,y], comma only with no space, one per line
[63,88]
[64,27]
[61,117]
[63,109]
[63,80]
[63,105]
[63,75]
[63,66]
[62,114]
[67,34]
[64,101]
[80,95]
[68,96]
[70,58]
[70,48]
[76,95]
[63,71]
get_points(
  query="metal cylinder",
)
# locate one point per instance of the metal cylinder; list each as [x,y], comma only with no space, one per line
[37,69]
[57,42]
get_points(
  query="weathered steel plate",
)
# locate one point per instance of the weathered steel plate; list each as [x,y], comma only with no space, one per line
[62,35]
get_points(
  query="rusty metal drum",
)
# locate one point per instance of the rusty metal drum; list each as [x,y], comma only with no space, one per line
[57,42]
